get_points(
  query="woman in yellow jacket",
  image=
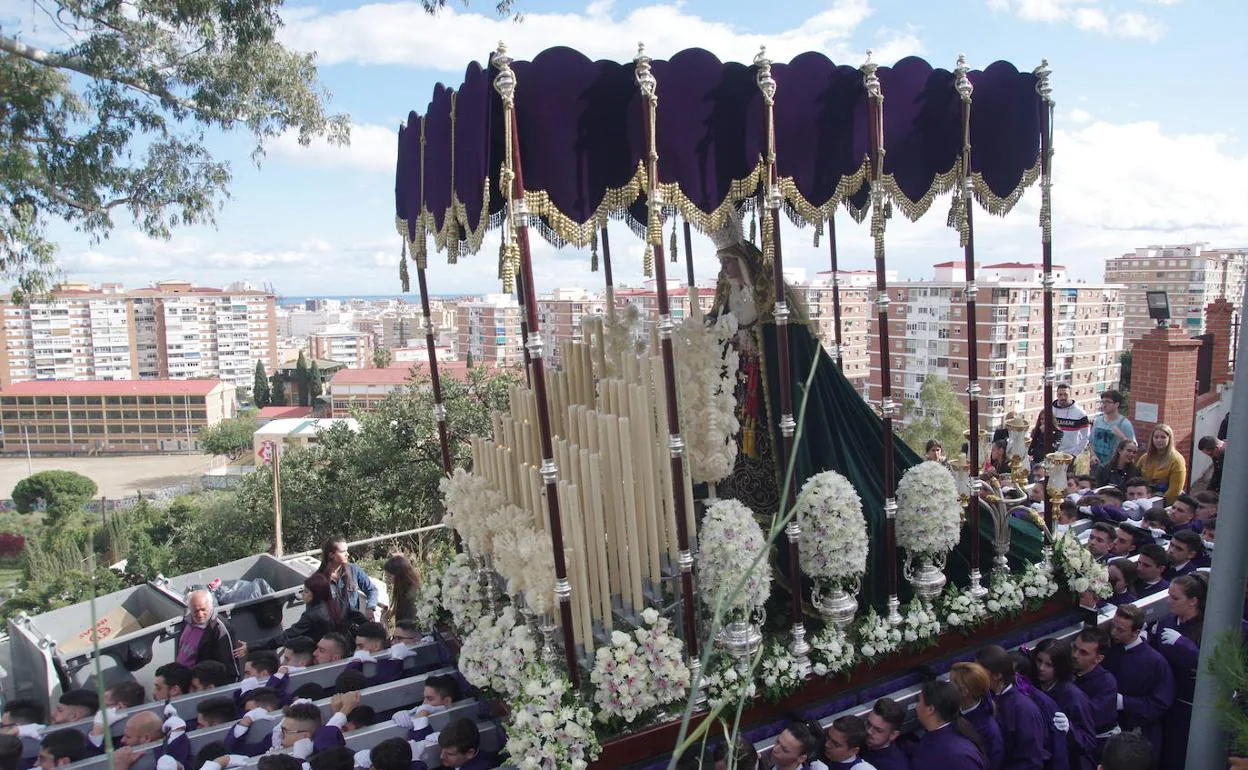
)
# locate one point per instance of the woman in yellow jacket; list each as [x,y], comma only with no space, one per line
[1162,466]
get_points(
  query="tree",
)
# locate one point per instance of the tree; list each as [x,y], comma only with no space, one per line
[115,120]
[940,414]
[277,395]
[64,494]
[314,384]
[1124,377]
[382,357]
[229,438]
[260,387]
[301,379]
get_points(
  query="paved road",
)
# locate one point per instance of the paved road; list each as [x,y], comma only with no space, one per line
[116,476]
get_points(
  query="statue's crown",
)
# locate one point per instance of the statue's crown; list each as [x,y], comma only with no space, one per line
[731,233]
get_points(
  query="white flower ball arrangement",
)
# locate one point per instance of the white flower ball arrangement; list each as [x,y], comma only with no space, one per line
[833,545]
[732,547]
[706,372]
[639,672]
[548,728]
[725,687]
[469,500]
[929,514]
[461,594]
[1037,583]
[497,653]
[525,560]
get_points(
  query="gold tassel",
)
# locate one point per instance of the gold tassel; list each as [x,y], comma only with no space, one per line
[673,248]
[510,259]
[502,259]
[647,264]
[404,280]
[593,252]
[818,232]
[452,249]
[753,227]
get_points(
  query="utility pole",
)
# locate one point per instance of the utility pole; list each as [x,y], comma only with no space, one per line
[270,452]
[30,468]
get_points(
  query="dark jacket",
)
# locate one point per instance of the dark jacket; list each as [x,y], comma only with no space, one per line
[364,596]
[314,623]
[217,644]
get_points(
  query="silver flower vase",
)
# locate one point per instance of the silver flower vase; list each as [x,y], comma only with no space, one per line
[740,637]
[835,605]
[927,577]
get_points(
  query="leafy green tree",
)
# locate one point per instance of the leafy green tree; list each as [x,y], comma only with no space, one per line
[260,387]
[302,379]
[1124,378]
[64,494]
[277,395]
[315,386]
[230,438]
[61,590]
[115,120]
[382,357]
[939,414]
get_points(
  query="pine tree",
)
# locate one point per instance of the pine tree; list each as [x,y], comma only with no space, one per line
[260,387]
[277,395]
[302,380]
[314,383]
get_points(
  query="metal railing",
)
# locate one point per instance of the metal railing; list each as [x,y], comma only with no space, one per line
[370,540]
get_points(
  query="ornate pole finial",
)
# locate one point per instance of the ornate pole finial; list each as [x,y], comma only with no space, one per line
[961,82]
[645,78]
[766,83]
[505,81]
[1043,87]
[870,78]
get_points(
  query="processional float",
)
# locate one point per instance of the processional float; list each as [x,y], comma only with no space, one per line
[562,144]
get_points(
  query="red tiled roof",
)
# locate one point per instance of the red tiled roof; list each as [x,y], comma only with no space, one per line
[949,264]
[283,412]
[400,373]
[112,388]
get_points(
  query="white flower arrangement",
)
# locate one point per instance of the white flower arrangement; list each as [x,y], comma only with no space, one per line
[524,558]
[779,672]
[639,672]
[706,376]
[1005,596]
[469,500]
[548,729]
[726,687]
[920,624]
[620,339]
[833,545]
[877,637]
[1036,583]
[429,610]
[730,545]
[1082,572]
[959,610]
[496,655]
[461,594]
[929,514]
[831,652]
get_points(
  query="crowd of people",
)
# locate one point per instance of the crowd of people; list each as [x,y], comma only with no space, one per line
[340,621]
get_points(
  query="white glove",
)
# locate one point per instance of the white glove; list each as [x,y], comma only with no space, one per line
[402,719]
[112,713]
[1120,701]
[1170,635]
[30,731]
[363,656]
[400,651]
[302,748]
[1061,723]
[173,724]
[364,759]
[248,684]
[170,710]
[257,713]
[166,762]
[431,739]
[420,723]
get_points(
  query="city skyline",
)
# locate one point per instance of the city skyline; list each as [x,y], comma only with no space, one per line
[1122,170]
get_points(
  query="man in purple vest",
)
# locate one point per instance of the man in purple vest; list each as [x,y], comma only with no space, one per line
[948,741]
[884,725]
[1098,684]
[1145,681]
[1022,726]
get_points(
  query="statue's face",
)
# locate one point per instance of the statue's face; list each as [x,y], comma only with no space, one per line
[732,267]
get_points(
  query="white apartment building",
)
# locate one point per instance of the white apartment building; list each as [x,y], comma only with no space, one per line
[856,288]
[489,330]
[346,346]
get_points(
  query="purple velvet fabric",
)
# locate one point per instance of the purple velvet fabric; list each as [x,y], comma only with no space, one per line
[922,124]
[413,179]
[1005,125]
[438,155]
[472,141]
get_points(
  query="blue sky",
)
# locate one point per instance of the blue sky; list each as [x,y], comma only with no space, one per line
[1148,148]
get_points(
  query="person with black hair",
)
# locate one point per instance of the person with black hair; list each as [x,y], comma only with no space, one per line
[1187,554]
[210,674]
[211,752]
[440,692]
[297,653]
[308,691]
[1022,725]
[1145,681]
[795,746]
[1100,540]
[172,680]
[211,712]
[1053,671]
[263,704]
[884,724]
[1127,751]
[843,743]
[10,752]
[1150,570]
[351,587]
[949,742]
[1122,579]
[1177,637]
[360,716]
[974,687]
[391,754]
[23,717]
[333,758]
[61,747]
[1087,653]
[75,705]
[124,695]
[460,744]
[331,647]
[350,680]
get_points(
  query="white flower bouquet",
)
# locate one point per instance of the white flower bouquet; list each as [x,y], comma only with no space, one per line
[1037,583]
[833,543]
[1082,572]
[730,547]
[706,376]
[496,655]
[919,624]
[831,652]
[929,514]
[725,686]
[525,560]
[548,729]
[1005,596]
[461,594]
[429,610]
[639,672]
[779,672]
[877,637]
[469,500]
[959,610]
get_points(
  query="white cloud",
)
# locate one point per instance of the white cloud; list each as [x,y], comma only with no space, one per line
[1080,116]
[403,33]
[372,148]
[1086,15]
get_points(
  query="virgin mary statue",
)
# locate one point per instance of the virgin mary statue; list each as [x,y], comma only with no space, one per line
[837,429]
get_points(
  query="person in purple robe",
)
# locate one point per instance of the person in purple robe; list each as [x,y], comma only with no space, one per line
[974,685]
[1177,638]
[1023,728]
[460,747]
[1054,670]
[1100,540]
[1145,680]
[1150,571]
[1187,554]
[843,743]
[1121,580]
[949,742]
[1088,652]
[1056,723]
[884,725]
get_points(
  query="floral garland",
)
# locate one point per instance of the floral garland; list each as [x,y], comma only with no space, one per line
[461,594]
[1037,583]
[525,560]
[548,729]
[779,672]
[731,541]
[833,544]
[639,672]
[1083,573]
[919,624]
[725,687]
[877,637]
[429,609]
[469,500]
[1005,596]
[959,610]
[706,373]
[831,652]
[929,514]
[495,655]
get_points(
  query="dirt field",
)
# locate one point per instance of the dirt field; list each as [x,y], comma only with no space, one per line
[116,476]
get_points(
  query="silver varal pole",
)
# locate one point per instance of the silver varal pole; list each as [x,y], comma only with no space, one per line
[1224,608]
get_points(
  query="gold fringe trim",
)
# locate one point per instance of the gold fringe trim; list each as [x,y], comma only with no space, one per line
[807,213]
[913,210]
[580,234]
[998,206]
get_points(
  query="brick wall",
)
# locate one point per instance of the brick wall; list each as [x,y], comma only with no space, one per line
[1163,374]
